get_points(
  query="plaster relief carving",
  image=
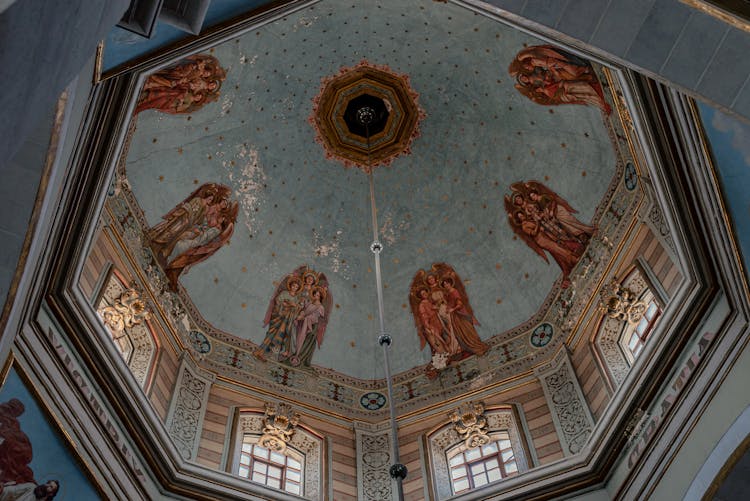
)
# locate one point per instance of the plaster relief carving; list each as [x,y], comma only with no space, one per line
[278,426]
[570,412]
[126,311]
[471,424]
[124,314]
[188,407]
[440,442]
[309,445]
[373,461]
[621,303]
[611,329]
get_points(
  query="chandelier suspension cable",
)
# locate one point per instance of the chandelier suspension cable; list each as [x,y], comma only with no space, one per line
[397,471]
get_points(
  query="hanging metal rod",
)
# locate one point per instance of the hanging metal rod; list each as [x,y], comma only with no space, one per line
[397,470]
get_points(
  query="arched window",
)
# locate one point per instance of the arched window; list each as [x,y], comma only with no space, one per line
[458,468]
[634,336]
[295,467]
[123,314]
[283,471]
[472,468]
[619,341]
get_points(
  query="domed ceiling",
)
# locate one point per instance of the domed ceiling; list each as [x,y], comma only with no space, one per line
[227,145]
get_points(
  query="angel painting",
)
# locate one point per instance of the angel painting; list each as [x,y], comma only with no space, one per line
[443,315]
[546,222]
[16,456]
[183,88]
[296,318]
[550,76]
[194,230]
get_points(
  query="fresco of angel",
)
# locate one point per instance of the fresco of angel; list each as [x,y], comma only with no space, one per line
[546,222]
[16,476]
[184,87]
[443,315]
[551,76]
[194,230]
[297,317]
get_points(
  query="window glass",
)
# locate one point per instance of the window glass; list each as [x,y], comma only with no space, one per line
[635,338]
[273,469]
[474,468]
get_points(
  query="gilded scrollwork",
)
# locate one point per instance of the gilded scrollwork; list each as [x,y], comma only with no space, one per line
[445,439]
[470,424]
[278,426]
[611,330]
[304,442]
[126,311]
[621,303]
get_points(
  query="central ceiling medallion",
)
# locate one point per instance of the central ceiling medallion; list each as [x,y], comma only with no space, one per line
[366,115]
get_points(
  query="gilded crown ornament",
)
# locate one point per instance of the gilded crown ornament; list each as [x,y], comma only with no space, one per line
[471,424]
[278,426]
[128,310]
[620,303]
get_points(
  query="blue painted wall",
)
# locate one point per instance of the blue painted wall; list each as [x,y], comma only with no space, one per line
[730,142]
[52,460]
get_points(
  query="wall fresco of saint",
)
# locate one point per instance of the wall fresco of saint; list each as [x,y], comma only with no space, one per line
[35,463]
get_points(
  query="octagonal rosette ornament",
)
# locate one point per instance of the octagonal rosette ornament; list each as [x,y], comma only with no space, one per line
[366,115]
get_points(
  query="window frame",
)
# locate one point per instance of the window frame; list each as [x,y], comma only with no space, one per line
[460,449]
[128,337]
[444,439]
[611,336]
[629,331]
[306,443]
[290,453]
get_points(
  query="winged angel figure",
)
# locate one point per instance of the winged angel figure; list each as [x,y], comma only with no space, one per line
[297,317]
[194,230]
[443,315]
[549,76]
[545,221]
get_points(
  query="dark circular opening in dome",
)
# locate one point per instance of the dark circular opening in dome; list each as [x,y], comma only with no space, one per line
[366,113]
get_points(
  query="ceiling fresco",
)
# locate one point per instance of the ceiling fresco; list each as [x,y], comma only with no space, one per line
[497,216]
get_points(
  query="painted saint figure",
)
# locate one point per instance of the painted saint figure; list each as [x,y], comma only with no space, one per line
[297,318]
[280,319]
[432,327]
[551,76]
[183,88]
[546,222]
[311,325]
[194,230]
[16,477]
[443,316]
[462,319]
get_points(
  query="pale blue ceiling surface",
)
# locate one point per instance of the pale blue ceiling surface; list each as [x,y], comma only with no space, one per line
[444,202]
[730,143]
